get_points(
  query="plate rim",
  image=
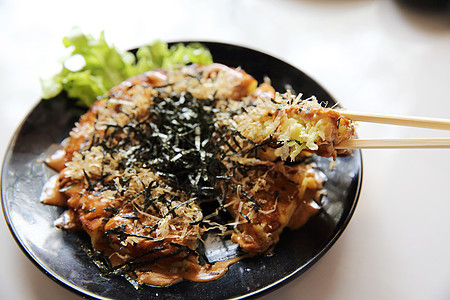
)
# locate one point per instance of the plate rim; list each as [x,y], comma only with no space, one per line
[257,293]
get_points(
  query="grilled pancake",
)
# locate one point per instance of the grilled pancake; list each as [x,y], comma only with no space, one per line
[140,166]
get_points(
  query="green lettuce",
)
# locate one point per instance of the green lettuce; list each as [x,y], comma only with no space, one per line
[99,67]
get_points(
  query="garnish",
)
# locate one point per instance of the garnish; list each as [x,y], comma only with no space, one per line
[93,66]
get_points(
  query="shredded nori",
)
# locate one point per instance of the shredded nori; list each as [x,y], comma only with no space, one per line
[178,141]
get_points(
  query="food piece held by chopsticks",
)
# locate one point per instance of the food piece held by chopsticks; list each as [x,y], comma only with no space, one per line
[290,125]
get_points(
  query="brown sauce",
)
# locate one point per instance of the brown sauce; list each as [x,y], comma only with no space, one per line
[208,272]
[51,194]
[302,214]
[56,161]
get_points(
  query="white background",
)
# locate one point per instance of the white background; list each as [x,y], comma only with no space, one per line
[372,55]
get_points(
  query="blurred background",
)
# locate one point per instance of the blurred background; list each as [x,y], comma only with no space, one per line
[379,56]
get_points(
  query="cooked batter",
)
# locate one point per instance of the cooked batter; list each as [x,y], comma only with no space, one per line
[141,165]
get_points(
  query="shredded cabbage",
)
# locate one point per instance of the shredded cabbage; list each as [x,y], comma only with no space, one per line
[93,66]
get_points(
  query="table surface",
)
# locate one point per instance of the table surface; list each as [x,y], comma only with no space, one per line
[376,56]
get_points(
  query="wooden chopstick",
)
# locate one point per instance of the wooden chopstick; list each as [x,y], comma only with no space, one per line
[423,122]
[405,143]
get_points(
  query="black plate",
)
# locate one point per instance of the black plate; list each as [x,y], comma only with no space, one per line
[58,254]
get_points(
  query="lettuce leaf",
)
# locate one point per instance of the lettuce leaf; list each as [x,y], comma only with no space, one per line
[99,67]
